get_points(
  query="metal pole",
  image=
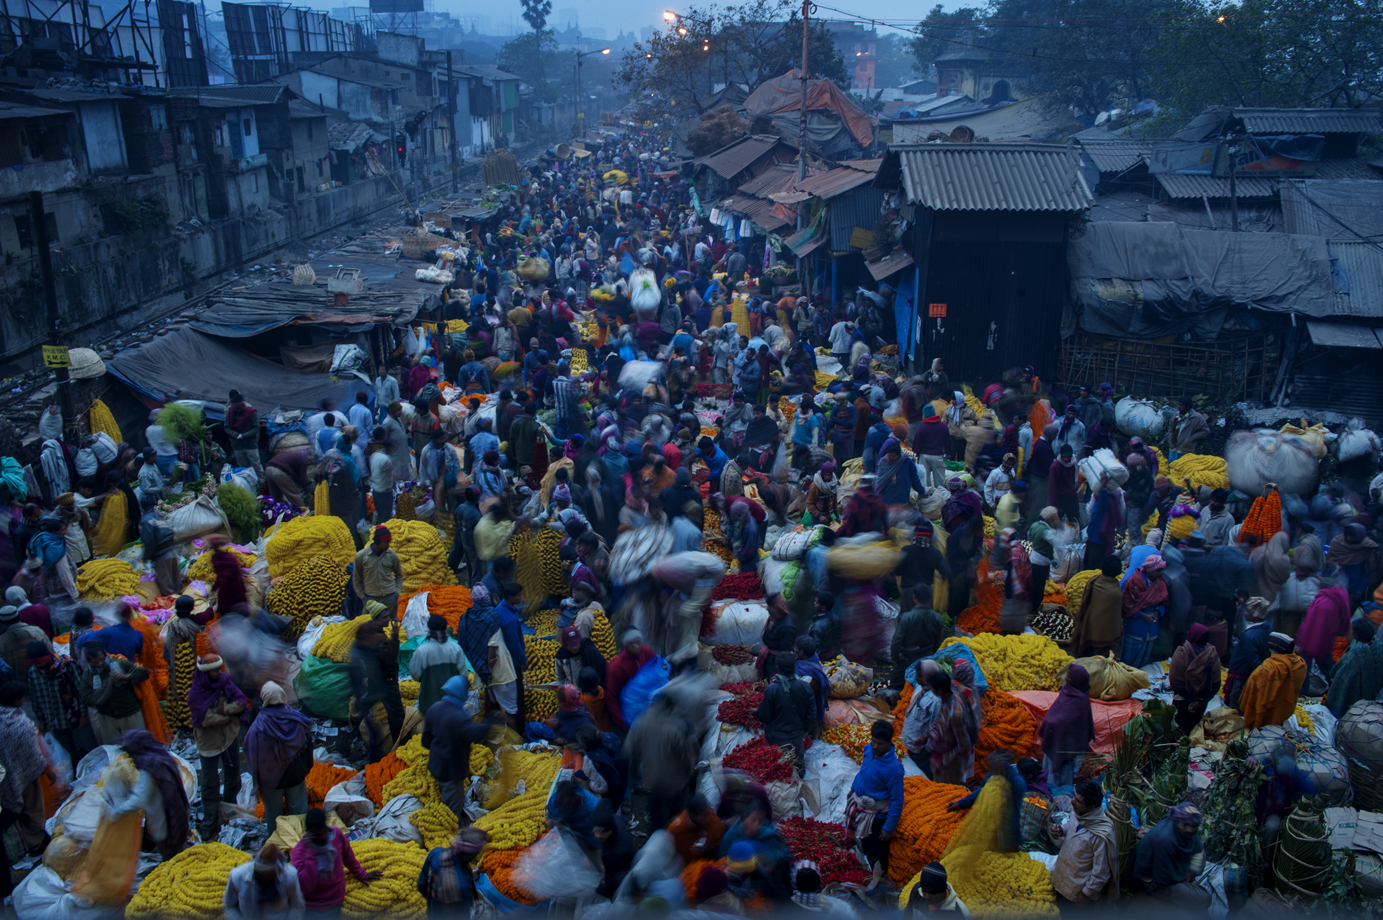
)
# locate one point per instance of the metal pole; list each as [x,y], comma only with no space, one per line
[38,224]
[580,100]
[451,123]
[802,125]
[1233,191]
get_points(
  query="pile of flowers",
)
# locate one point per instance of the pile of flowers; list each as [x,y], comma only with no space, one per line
[767,763]
[925,826]
[828,845]
[746,586]
[1018,662]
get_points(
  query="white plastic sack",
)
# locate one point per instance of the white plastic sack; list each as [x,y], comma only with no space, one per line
[415,616]
[742,623]
[80,814]
[61,759]
[555,869]
[104,446]
[1102,461]
[829,772]
[793,545]
[1138,417]
[349,801]
[312,633]
[392,822]
[198,518]
[347,358]
[771,573]
[637,374]
[785,798]
[888,618]
[242,476]
[43,895]
[686,571]
[1254,458]
[50,424]
[86,462]
[643,290]
[1358,442]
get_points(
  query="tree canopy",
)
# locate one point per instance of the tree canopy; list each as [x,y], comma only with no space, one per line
[1185,54]
[531,56]
[739,44]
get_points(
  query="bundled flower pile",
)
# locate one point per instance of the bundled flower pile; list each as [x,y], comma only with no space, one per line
[191,884]
[900,710]
[740,709]
[200,569]
[712,390]
[320,780]
[513,827]
[1264,519]
[1053,593]
[989,596]
[336,640]
[1075,588]
[409,690]
[415,780]
[1054,624]
[732,654]
[303,538]
[541,702]
[395,895]
[603,636]
[537,565]
[768,763]
[272,511]
[534,769]
[1018,662]
[422,552]
[692,873]
[379,774]
[106,578]
[1202,470]
[1002,885]
[746,586]
[102,419]
[827,845]
[854,737]
[1341,646]
[925,826]
[450,602]
[1005,724]
[315,588]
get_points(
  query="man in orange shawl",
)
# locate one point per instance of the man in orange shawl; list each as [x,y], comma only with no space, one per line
[1270,694]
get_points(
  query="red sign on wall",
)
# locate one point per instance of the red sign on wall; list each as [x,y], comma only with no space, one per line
[936,310]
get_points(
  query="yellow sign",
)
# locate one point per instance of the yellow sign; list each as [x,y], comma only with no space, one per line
[56,356]
[860,238]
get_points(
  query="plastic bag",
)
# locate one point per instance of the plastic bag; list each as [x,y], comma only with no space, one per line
[1358,442]
[197,519]
[86,462]
[684,571]
[1102,461]
[111,860]
[1113,680]
[348,800]
[646,683]
[1316,435]
[392,822]
[347,358]
[308,640]
[643,290]
[324,688]
[62,761]
[50,424]
[242,476]
[1138,417]
[104,447]
[415,616]
[741,624]
[863,563]
[80,815]
[43,896]
[826,780]
[848,679]
[794,544]
[1254,458]
[65,856]
[555,869]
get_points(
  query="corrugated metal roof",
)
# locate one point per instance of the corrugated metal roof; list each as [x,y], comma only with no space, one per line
[1355,168]
[833,182]
[871,166]
[758,210]
[859,207]
[1114,156]
[895,261]
[9,110]
[1344,209]
[988,177]
[75,95]
[1362,264]
[775,178]
[1309,121]
[244,94]
[1179,186]
[1342,335]
[350,135]
[731,160]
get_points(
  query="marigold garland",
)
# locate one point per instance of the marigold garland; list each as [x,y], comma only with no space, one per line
[1264,518]
[989,597]
[1005,724]
[1075,588]
[1341,646]
[379,774]
[900,710]
[925,827]
[320,780]
[1018,662]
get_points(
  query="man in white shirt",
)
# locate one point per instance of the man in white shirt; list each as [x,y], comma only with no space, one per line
[386,391]
[359,413]
[381,478]
[840,340]
[999,481]
[316,422]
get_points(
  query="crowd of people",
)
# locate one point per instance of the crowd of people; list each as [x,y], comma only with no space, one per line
[712,423]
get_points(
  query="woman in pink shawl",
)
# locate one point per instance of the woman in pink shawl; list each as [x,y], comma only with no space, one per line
[1326,620]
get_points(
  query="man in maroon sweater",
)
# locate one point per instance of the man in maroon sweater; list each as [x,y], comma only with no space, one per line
[930,444]
[1061,484]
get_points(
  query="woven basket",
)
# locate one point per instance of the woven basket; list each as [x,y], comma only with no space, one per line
[418,249]
[304,276]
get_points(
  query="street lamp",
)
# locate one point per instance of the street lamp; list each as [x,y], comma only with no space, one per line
[581,100]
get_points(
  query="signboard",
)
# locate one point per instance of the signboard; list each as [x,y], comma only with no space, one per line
[56,356]
[1280,157]
[396,6]
[860,238]
[936,311]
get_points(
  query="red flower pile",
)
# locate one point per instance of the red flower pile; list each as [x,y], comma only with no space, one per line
[828,846]
[712,390]
[766,762]
[740,710]
[746,586]
[755,686]
[732,654]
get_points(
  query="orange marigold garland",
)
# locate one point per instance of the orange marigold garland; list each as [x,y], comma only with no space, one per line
[989,596]
[900,710]
[447,601]
[1341,646]
[693,872]
[320,780]
[1004,724]
[1264,518]
[378,774]
[925,826]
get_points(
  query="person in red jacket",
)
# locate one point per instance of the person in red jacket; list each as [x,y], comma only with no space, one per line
[321,858]
[622,667]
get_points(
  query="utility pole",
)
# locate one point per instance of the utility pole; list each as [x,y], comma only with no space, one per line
[802,123]
[451,123]
[38,224]
[1233,148]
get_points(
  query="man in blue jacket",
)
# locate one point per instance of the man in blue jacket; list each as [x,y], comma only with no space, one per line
[876,799]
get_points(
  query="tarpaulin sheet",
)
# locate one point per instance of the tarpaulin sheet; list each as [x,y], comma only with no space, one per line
[208,368]
[1110,718]
[1145,280]
[784,94]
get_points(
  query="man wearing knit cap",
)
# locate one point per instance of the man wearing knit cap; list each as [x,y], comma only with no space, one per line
[1270,693]
[378,574]
[934,893]
[435,662]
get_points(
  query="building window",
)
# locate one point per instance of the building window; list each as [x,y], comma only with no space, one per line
[302,180]
[24,230]
[254,183]
[249,127]
[158,117]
